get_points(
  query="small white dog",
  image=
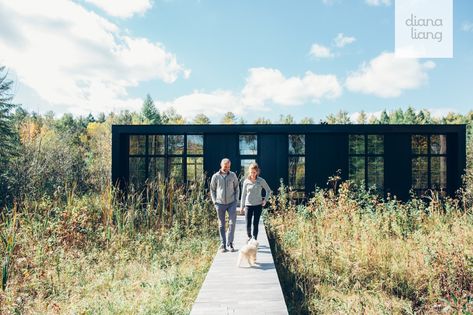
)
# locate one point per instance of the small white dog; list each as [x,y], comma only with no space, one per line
[249,252]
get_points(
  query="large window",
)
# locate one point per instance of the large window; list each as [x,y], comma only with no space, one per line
[366,160]
[429,162]
[153,157]
[296,154]
[248,149]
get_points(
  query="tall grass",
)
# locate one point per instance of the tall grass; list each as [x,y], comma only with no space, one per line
[146,252]
[352,253]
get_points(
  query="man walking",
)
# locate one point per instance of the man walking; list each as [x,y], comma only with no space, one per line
[225,191]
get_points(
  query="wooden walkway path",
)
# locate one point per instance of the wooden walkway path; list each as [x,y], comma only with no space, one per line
[228,289]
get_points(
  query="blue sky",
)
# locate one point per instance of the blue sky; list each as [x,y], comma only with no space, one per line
[256,58]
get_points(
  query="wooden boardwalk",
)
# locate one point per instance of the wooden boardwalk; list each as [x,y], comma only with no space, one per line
[228,289]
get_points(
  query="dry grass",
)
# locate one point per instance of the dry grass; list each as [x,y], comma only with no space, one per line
[353,253]
[101,254]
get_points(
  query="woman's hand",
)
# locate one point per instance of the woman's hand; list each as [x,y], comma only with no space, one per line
[264,202]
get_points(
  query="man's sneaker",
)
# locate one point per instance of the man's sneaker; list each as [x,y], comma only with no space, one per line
[231,247]
[222,249]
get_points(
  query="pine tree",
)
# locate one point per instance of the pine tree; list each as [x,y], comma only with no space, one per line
[201,119]
[384,118]
[149,112]
[362,118]
[8,137]
[229,119]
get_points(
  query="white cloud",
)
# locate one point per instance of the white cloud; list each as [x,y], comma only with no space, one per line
[263,86]
[467,26]
[320,51]
[388,76]
[342,40]
[213,104]
[378,2]
[122,8]
[266,84]
[77,59]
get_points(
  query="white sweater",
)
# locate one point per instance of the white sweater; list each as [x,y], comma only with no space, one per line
[251,192]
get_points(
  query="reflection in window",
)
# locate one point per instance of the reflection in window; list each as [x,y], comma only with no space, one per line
[137,171]
[175,144]
[375,144]
[356,144]
[248,145]
[438,166]
[297,172]
[429,162]
[356,169]
[419,144]
[244,164]
[296,144]
[195,168]
[175,169]
[420,169]
[156,145]
[156,168]
[438,144]
[137,145]
[195,144]
[376,172]
[366,160]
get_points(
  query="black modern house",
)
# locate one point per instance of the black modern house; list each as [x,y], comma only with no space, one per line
[392,158]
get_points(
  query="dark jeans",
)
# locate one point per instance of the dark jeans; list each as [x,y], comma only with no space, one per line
[256,212]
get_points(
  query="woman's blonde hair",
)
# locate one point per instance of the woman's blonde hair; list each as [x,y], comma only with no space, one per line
[252,166]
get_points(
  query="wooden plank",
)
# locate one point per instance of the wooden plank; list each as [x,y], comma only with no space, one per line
[228,289]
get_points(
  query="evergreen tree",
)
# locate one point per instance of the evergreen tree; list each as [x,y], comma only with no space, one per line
[149,112]
[362,118]
[384,118]
[201,119]
[8,137]
[229,119]
[410,116]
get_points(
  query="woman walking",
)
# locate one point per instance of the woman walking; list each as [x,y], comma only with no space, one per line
[252,199]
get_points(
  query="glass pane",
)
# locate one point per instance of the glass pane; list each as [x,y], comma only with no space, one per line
[375,144]
[175,144]
[438,169]
[195,168]
[137,171]
[419,144]
[195,144]
[376,172]
[156,169]
[248,145]
[244,164]
[438,144]
[297,172]
[356,144]
[297,144]
[156,145]
[419,173]
[356,169]
[137,145]
[175,169]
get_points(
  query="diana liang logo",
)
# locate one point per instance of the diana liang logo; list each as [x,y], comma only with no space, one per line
[424,29]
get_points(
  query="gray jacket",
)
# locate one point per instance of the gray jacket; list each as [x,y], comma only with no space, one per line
[251,192]
[224,189]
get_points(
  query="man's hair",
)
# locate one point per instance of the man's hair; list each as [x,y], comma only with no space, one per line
[225,160]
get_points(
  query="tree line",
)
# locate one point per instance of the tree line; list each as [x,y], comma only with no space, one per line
[42,155]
